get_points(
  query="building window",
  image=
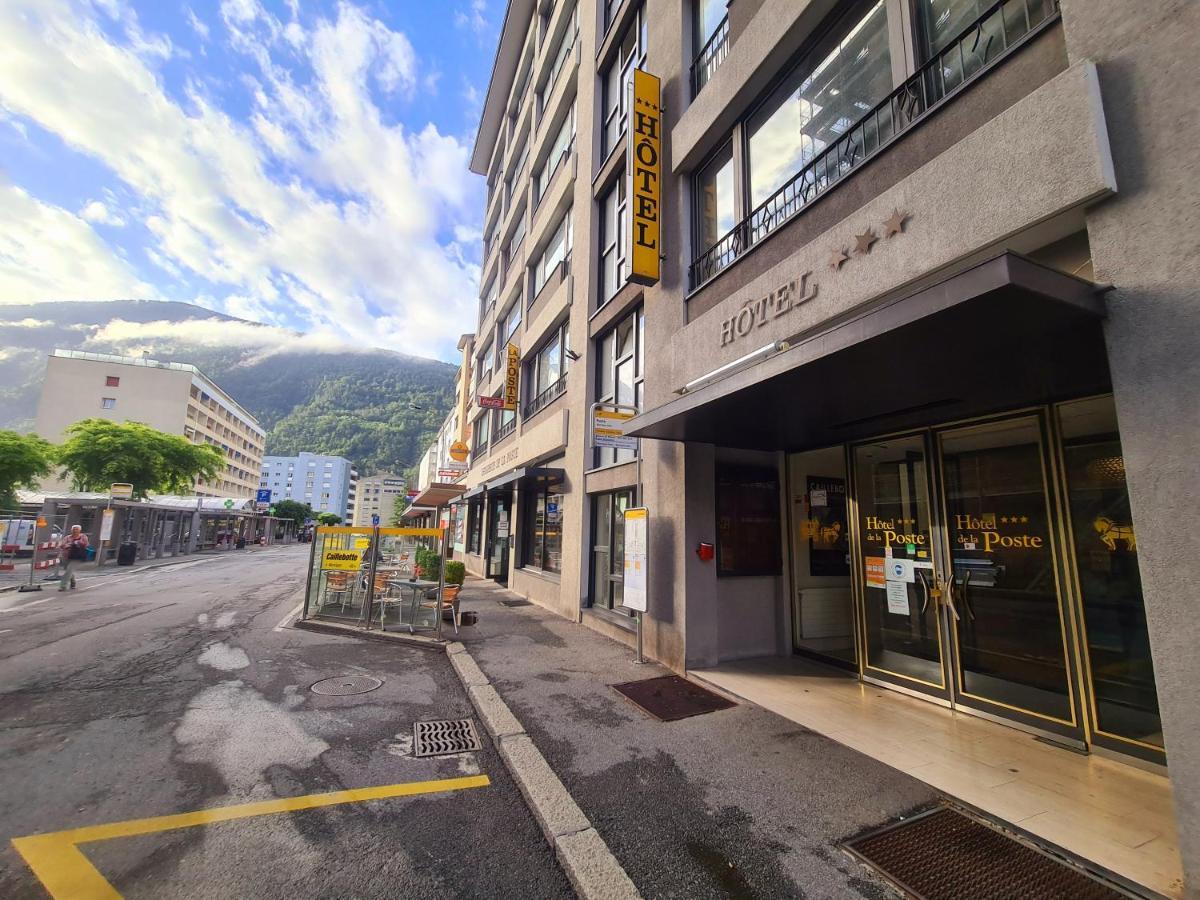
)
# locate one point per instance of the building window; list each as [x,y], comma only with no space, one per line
[565,45]
[480,433]
[559,151]
[713,194]
[474,525]
[617,79]
[620,373]
[547,370]
[608,549]
[112,381]
[108,402]
[555,252]
[511,320]
[748,524]
[513,182]
[514,242]
[827,92]
[613,228]
[543,513]
[484,367]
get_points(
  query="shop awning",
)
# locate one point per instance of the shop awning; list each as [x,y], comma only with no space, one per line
[414,512]
[527,475]
[1004,333]
[474,492]
[439,493]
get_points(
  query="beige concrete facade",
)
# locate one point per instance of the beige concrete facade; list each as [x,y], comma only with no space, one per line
[172,397]
[1069,155]
[377,496]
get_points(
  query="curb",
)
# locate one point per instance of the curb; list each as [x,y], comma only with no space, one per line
[413,640]
[588,863]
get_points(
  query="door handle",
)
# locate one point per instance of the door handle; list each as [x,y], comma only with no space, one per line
[949,599]
[924,589]
[966,599]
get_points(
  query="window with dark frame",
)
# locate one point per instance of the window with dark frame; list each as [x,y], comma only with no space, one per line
[614,222]
[617,78]
[620,373]
[474,525]
[108,402]
[547,370]
[748,521]
[543,518]
[112,381]
[607,586]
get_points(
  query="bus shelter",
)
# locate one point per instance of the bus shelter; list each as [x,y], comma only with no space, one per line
[392,579]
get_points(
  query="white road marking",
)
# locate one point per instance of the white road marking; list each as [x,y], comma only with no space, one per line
[287,620]
[5,630]
[26,605]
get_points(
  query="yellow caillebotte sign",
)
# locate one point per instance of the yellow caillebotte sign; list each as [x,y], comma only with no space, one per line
[512,378]
[645,168]
[342,560]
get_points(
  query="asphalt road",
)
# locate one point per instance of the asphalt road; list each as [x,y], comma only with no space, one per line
[176,689]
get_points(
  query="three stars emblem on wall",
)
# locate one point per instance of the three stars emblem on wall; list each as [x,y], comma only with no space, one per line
[892,226]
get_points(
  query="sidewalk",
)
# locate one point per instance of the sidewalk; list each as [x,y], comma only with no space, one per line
[734,803]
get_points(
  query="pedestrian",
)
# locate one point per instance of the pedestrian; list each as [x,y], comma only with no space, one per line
[71,549]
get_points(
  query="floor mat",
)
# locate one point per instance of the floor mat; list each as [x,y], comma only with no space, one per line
[670,697]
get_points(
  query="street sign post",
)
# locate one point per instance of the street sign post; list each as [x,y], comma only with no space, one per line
[375,520]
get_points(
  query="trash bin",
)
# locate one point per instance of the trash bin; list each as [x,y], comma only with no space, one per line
[127,553]
[90,553]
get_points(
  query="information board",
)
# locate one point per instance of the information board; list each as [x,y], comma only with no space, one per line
[636,558]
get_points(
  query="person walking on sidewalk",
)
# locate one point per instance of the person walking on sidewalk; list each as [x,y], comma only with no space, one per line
[71,549]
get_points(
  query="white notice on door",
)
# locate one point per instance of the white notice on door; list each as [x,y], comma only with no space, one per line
[897,597]
[899,570]
[818,498]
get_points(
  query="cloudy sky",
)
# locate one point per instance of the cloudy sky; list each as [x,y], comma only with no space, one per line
[301,163]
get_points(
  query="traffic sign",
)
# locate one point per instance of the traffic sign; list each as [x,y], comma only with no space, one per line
[375,519]
[121,491]
[263,496]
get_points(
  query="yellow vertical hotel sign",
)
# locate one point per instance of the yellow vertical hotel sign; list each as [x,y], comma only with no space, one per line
[645,167]
[512,377]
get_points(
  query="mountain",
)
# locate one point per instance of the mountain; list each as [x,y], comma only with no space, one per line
[377,408]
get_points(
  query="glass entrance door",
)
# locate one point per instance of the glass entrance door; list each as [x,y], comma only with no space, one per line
[1007,621]
[899,579]
[958,571]
[499,537]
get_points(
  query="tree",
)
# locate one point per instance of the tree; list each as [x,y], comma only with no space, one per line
[295,510]
[24,458]
[328,518]
[100,453]
[400,504]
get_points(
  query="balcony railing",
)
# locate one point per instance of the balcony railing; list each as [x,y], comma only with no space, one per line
[710,57]
[989,39]
[505,430]
[546,397]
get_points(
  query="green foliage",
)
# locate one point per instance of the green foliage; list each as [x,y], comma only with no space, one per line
[295,510]
[328,518]
[399,505]
[456,572]
[23,460]
[99,453]
[429,562]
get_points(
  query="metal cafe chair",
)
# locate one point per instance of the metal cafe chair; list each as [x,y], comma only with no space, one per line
[447,601]
[339,587]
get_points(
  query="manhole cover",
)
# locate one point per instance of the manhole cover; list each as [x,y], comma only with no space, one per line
[945,855]
[343,685]
[670,697]
[444,737]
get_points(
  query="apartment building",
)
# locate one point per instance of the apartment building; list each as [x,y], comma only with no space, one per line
[173,397]
[377,496]
[326,483]
[916,379]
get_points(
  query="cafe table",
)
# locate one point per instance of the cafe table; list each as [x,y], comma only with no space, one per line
[416,586]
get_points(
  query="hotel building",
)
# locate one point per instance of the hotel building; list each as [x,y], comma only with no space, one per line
[916,382]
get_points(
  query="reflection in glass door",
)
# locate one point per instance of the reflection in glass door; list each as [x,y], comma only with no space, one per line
[1008,614]
[499,529]
[899,582]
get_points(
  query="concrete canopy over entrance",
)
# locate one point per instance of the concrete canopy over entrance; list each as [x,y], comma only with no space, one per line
[1003,333]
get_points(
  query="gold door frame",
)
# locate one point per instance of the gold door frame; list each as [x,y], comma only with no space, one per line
[920,686]
[1050,479]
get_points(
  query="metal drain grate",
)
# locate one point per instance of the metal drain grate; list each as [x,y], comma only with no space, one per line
[444,737]
[344,685]
[946,855]
[518,602]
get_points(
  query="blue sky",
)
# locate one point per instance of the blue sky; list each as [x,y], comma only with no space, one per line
[301,163]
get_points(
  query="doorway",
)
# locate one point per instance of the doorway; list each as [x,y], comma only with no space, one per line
[499,536]
[960,571]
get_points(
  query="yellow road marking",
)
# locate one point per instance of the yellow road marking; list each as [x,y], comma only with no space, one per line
[67,874]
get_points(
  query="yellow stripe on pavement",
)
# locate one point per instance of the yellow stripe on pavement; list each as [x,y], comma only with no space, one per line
[67,874]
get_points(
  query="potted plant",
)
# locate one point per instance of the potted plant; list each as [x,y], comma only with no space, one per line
[456,572]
